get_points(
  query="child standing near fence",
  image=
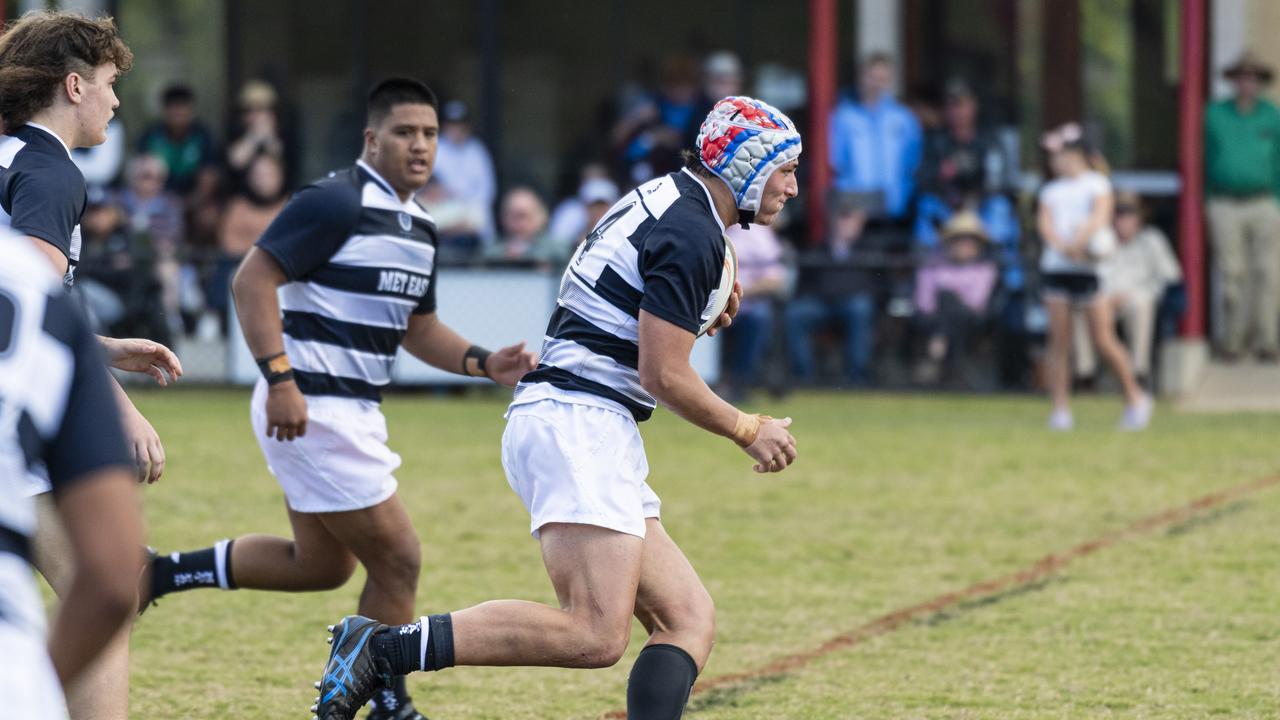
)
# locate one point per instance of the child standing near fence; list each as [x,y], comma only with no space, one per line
[1074,220]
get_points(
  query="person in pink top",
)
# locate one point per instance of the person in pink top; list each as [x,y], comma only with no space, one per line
[953,292]
[762,275]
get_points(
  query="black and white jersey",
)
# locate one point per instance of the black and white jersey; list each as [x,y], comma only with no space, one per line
[42,192]
[58,418]
[359,263]
[659,249]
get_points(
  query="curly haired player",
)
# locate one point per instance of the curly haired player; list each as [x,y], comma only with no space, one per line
[631,303]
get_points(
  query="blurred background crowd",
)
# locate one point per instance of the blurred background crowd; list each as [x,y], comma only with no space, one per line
[919,270]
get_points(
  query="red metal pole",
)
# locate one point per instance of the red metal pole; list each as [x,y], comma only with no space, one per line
[823,19]
[1191,98]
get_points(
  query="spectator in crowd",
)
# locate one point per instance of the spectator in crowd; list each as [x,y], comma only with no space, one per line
[248,213]
[116,279]
[876,143]
[576,216]
[965,168]
[1134,278]
[1242,164]
[259,131]
[464,167]
[183,143]
[763,276]
[654,130]
[1074,221]
[460,224]
[836,289]
[153,215]
[101,164]
[953,295]
[721,78]
[192,162]
[524,231]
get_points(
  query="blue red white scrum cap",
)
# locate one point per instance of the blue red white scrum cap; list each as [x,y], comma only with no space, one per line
[742,141]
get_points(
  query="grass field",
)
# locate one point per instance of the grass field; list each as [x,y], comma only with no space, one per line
[895,500]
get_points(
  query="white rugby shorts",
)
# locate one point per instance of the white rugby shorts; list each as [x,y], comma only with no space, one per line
[578,463]
[29,685]
[342,463]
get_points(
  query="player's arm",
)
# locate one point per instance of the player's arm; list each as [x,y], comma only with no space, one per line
[53,252]
[438,345]
[141,438]
[88,467]
[258,309]
[666,374]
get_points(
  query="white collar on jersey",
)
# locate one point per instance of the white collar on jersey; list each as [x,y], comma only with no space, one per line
[710,200]
[382,183]
[38,126]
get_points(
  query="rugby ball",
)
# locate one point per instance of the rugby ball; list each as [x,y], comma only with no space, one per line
[720,296]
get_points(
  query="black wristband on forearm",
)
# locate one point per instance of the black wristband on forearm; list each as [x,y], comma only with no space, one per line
[275,368]
[480,356]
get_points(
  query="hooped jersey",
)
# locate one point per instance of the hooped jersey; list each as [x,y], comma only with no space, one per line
[659,249]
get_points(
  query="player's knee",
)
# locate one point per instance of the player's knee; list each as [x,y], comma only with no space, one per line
[333,575]
[606,646]
[400,564]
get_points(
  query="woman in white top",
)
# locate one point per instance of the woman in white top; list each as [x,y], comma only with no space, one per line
[1074,222]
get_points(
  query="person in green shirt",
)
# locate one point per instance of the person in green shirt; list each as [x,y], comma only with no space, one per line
[1242,167]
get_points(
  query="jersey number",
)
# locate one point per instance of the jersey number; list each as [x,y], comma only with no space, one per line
[600,229]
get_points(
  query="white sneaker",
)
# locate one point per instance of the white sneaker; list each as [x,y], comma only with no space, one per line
[1138,415]
[1061,421]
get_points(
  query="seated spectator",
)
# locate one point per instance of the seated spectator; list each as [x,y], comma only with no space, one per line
[953,295]
[576,216]
[461,224]
[837,288]
[249,211]
[192,162]
[762,275]
[464,166]
[524,232]
[876,144]
[259,130]
[117,281]
[182,142]
[153,216]
[965,167]
[655,128]
[1133,280]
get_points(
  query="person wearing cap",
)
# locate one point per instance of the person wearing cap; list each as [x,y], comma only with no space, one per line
[464,166]
[1074,222]
[635,297]
[953,292]
[1134,278]
[577,215]
[1242,169]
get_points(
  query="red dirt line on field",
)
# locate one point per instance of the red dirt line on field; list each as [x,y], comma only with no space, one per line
[1036,572]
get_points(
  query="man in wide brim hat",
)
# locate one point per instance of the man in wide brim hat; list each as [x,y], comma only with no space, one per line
[1242,173]
[1248,64]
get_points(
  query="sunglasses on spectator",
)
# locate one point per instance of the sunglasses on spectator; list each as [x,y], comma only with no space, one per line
[1124,209]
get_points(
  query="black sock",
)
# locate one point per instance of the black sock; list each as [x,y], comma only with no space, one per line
[389,700]
[210,567]
[660,681]
[401,645]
